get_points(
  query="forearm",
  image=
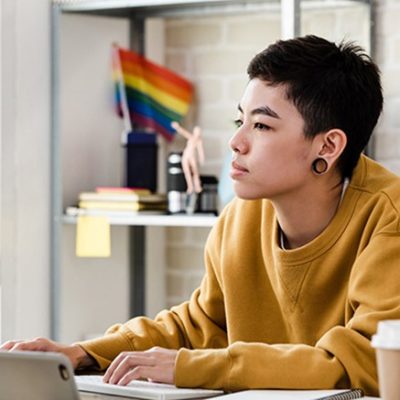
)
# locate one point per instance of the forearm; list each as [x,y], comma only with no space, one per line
[79,358]
[244,366]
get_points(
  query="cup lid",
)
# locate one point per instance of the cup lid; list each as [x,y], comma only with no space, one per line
[388,335]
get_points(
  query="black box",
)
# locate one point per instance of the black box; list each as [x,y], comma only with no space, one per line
[141,160]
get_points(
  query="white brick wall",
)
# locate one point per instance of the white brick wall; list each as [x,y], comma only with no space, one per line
[214,52]
[387,137]
[184,262]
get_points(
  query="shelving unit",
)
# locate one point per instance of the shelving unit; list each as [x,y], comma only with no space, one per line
[199,221]
[137,11]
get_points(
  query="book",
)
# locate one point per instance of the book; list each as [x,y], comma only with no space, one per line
[121,197]
[109,205]
[121,190]
[141,389]
[121,206]
[76,211]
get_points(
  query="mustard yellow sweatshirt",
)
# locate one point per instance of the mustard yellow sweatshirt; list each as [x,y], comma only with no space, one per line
[268,318]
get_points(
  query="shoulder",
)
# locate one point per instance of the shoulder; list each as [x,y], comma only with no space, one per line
[379,192]
[246,212]
[373,178]
[243,218]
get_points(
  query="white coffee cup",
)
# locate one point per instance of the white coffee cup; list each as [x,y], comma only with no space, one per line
[387,345]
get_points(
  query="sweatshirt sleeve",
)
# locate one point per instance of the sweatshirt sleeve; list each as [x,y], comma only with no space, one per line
[342,357]
[198,323]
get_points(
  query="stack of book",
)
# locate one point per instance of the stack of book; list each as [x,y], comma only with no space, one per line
[114,201]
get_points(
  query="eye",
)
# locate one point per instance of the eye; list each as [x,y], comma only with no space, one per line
[261,127]
[238,123]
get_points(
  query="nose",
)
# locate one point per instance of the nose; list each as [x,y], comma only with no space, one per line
[238,142]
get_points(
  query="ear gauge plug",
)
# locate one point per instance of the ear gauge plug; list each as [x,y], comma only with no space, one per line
[319,166]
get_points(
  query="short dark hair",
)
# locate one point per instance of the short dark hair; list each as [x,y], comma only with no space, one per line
[332,86]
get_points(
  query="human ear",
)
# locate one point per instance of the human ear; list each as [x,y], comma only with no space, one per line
[331,145]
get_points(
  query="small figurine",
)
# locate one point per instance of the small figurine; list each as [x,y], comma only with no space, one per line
[192,157]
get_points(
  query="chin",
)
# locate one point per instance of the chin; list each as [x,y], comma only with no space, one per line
[249,191]
[247,195]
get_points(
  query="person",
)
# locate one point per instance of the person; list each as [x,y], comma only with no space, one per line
[302,264]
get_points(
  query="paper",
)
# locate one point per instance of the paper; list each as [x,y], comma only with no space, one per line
[281,394]
[93,237]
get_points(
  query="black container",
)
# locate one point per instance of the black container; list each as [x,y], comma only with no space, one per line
[141,161]
[208,198]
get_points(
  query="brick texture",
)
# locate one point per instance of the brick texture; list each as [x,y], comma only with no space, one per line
[387,135]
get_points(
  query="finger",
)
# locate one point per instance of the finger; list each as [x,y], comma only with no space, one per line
[159,373]
[134,374]
[28,345]
[38,344]
[9,344]
[130,362]
[156,349]
[182,131]
[24,346]
[114,364]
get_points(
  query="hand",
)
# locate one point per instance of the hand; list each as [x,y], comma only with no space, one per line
[156,364]
[78,357]
[189,158]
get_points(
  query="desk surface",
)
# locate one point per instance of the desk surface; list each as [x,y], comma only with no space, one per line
[245,396]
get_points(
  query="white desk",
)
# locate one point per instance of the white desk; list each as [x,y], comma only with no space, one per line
[246,395]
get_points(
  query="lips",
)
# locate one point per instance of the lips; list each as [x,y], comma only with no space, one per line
[238,170]
[237,166]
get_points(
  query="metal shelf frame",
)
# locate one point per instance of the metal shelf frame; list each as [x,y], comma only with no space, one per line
[136,11]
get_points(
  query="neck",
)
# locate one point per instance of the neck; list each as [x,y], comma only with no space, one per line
[304,217]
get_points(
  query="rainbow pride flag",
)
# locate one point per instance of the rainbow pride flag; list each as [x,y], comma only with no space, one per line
[155,95]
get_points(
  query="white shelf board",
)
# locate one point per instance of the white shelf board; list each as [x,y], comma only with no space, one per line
[165,8]
[203,6]
[197,220]
[92,5]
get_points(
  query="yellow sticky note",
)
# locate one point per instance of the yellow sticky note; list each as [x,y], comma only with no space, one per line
[93,237]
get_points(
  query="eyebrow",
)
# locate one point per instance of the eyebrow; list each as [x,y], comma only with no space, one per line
[265,110]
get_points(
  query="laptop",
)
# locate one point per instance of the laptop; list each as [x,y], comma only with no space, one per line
[36,376]
[26,375]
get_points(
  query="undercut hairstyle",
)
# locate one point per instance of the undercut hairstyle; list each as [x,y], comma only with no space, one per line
[332,86]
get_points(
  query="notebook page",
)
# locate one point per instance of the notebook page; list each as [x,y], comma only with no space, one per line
[141,389]
[282,394]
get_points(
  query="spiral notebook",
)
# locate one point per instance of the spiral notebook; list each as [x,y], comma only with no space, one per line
[296,395]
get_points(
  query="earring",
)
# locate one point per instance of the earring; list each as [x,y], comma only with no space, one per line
[319,166]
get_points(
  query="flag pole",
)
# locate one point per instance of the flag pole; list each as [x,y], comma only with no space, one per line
[122,93]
